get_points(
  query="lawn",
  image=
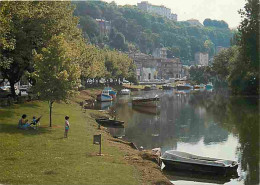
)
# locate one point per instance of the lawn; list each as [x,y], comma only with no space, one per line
[43,156]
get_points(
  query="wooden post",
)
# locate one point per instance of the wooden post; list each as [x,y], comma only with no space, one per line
[97,140]
[100,145]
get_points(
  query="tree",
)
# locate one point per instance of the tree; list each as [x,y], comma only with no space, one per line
[57,72]
[201,74]
[215,23]
[244,70]
[29,26]
[221,63]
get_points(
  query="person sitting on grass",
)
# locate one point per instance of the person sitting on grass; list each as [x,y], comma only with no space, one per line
[23,122]
[35,121]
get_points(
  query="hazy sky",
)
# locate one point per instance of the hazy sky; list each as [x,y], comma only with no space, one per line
[226,10]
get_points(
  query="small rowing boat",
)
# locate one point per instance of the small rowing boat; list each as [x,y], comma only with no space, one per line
[185,161]
[106,121]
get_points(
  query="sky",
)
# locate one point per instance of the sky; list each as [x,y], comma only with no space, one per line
[226,10]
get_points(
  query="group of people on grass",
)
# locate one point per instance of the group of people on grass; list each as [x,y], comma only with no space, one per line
[23,124]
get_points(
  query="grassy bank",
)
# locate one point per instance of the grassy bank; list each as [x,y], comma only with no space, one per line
[43,156]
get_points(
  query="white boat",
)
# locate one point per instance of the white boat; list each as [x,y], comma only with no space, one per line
[181,160]
[125,92]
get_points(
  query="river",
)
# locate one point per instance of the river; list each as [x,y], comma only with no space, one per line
[206,123]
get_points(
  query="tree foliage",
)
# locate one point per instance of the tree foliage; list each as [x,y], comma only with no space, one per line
[149,31]
[29,26]
[239,65]
[215,23]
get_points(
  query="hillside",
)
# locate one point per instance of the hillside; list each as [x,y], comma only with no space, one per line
[133,29]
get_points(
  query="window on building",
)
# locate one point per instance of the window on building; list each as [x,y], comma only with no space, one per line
[149,76]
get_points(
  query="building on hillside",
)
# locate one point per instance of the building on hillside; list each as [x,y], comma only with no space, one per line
[160,53]
[194,22]
[146,66]
[170,68]
[160,10]
[219,49]
[201,59]
[186,71]
[104,26]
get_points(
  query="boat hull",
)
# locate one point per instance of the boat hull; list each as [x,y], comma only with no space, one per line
[104,98]
[149,102]
[167,87]
[106,121]
[175,165]
[185,161]
[125,92]
[180,87]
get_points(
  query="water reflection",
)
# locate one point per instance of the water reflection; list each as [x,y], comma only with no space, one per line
[203,123]
[184,177]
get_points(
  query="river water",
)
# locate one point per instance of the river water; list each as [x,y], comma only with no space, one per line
[206,123]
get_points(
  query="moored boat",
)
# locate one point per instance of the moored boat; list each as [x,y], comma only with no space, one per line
[153,87]
[146,102]
[125,92]
[167,87]
[209,85]
[201,86]
[181,160]
[106,121]
[147,88]
[183,87]
[110,91]
[104,96]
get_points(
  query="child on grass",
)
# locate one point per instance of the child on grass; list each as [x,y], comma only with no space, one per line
[67,126]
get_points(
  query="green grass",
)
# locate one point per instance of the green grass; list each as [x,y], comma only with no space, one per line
[44,157]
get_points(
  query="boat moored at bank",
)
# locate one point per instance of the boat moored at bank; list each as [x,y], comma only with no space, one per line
[125,92]
[181,160]
[145,102]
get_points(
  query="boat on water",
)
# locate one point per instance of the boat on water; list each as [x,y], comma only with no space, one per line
[125,92]
[183,86]
[109,122]
[184,161]
[209,85]
[145,102]
[153,87]
[110,91]
[104,96]
[167,87]
[147,88]
[201,86]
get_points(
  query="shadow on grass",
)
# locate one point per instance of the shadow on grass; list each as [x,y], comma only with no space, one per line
[6,113]
[12,129]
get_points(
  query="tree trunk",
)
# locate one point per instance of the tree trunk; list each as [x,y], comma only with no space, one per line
[12,89]
[50,106]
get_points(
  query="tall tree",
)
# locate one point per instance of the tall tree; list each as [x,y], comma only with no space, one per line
[29,26]
[244,74]
[57,72]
